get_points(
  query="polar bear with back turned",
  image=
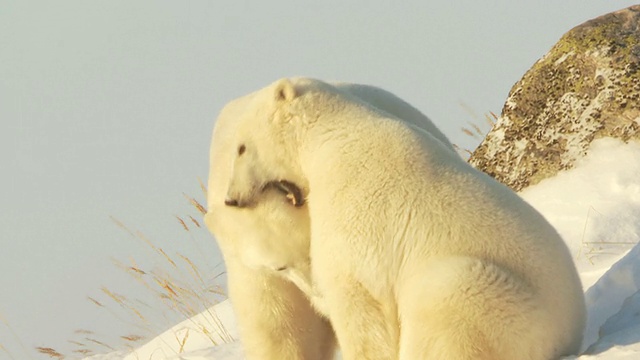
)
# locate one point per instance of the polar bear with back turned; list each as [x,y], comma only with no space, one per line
[417,255]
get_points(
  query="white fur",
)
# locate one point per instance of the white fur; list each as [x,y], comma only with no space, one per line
[266,247]
[416,255]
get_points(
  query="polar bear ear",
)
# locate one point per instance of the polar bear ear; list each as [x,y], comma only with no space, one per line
[284,91]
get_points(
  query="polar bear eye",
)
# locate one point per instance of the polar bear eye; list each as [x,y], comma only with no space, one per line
[241,149]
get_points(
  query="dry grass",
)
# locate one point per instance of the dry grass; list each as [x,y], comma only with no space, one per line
[475,131]
[175,285]
[478,129]
[15,339]
[50,352]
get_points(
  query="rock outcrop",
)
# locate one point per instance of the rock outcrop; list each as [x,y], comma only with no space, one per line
[586,87]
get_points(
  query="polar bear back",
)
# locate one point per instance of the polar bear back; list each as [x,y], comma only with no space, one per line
[394,106]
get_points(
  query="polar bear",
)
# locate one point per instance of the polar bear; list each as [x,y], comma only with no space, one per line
[416,255]
[266,248]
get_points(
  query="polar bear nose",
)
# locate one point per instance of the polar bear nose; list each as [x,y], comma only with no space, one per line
[231,202]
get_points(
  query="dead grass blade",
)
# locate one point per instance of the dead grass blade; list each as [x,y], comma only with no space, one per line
[205,192]
[16,338]
[184,225]
[121,225]
[194,221]
[95,341]
[133,338]
[195,204]
[184,341]
[50,352]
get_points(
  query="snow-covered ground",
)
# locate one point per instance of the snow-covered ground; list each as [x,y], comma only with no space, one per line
[595,207]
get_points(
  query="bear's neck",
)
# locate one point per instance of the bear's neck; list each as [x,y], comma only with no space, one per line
[335,153]
[324,145]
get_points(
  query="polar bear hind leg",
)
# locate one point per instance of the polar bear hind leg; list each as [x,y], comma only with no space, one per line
[460,308]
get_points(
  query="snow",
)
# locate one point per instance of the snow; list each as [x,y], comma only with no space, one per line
[595,207]
[211,334]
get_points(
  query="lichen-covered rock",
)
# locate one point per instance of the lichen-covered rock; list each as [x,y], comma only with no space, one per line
[586,87]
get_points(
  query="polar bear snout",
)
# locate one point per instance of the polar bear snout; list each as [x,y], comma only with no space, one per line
[242,194]
[239,202]
[231,202]
[238,198]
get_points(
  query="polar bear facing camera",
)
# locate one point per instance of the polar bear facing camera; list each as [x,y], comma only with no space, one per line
[266,246]
[416,254]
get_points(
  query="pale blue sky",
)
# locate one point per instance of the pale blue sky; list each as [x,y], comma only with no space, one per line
[106,108]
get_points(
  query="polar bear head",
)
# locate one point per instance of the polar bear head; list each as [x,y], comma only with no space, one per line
[266,146]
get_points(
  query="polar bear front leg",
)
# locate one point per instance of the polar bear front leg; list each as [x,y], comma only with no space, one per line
[359,322]
[275,319]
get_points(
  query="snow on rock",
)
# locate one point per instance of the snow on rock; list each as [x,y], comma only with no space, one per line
[586,87]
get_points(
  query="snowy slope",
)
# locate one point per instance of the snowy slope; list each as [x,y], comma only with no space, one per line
[209,335]
[595,207]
